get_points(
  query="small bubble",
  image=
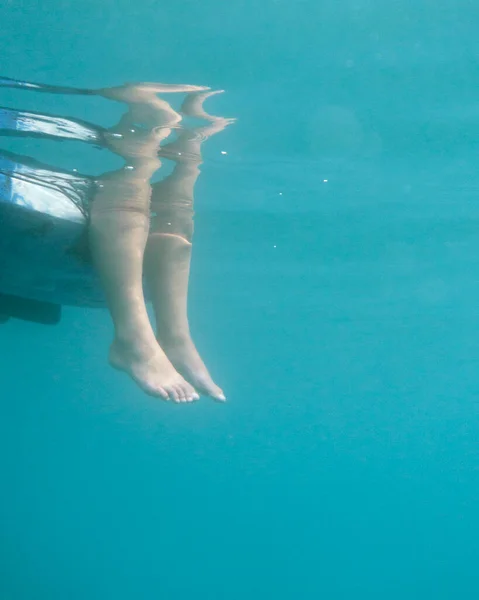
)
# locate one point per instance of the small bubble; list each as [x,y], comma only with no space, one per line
[129,167]
[116,135]
[75,170]
[325,181]
[223,152]
[281,193]
[132,130]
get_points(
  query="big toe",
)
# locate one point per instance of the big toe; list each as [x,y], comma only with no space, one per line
[151,388]
[218,394]
[209,388]
[203,383]
[189,392]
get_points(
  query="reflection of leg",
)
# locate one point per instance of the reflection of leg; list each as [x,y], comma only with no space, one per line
[118,234]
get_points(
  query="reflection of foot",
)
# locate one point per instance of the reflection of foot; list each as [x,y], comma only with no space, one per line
[152,371]
[193,104]
[184,356]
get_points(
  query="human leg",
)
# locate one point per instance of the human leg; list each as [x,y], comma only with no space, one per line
[118,233]
[168,251]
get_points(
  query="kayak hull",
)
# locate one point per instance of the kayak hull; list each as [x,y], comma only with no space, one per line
[45,258]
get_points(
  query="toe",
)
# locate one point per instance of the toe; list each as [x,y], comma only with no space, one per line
[163,393]
[154,391]
[191,392]
[181,393]
[172,393]
[218,395]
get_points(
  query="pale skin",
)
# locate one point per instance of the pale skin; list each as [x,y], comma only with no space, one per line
[165,364]
[168,256]
[126,250]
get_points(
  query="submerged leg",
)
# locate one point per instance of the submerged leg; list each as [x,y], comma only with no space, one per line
[118,233]
[168,254]
[167,268]
[168,264]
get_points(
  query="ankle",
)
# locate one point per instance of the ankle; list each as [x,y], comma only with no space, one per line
[176,337]
[134,336]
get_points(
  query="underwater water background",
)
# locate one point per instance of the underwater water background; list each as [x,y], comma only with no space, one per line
[334,295]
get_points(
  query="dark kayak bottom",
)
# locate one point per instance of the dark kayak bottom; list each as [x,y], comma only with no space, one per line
[44,264]
[41,259]
[34,311]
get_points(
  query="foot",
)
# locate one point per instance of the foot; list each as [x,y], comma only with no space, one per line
[151,370]
[185,358]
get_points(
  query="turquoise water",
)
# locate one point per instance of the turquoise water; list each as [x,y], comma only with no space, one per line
[333,295]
